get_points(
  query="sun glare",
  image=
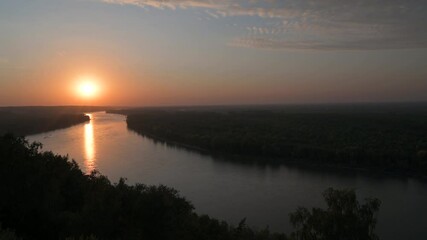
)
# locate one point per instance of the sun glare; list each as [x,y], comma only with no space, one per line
[88,88]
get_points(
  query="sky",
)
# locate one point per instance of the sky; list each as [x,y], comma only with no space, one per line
[203,52]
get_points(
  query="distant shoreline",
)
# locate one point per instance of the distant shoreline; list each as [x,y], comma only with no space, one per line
[277,161]
[362,160]
[25,121]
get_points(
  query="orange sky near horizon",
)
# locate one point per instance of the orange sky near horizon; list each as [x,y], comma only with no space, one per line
[189,53]
[56,80]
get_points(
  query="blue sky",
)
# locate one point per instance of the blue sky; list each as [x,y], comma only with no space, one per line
[170,52]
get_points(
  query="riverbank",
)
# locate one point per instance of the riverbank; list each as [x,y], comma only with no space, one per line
[382,142]
[23,121]
[297,163]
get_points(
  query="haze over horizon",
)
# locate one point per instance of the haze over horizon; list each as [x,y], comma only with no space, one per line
[202,52]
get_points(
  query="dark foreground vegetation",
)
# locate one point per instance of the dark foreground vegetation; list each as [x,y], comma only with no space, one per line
[31,120]
[45,196]
[364,138]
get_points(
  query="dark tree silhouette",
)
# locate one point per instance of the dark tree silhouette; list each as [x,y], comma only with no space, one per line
[45,196]
[344,218]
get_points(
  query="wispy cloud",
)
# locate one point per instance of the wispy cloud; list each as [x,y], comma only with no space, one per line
[321,25]
[358,44]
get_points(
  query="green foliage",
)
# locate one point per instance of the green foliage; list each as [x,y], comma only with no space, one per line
[45,196]
[382,141]
[344,218]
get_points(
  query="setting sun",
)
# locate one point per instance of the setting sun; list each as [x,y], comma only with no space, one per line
[88,88]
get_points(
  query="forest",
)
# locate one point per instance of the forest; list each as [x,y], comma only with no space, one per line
[47,196]
[386,141]
[23,121]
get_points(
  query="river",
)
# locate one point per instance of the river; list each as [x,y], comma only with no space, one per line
[231,191]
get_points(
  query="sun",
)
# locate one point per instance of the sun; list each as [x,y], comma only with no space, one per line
[88,87]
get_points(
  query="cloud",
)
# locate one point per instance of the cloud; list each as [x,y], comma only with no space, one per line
[366,44]
[170,4]
[212,14]
[317,24]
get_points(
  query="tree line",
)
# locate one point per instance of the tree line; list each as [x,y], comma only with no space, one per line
[383,141]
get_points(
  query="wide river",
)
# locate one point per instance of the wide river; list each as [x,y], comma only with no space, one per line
[230,191]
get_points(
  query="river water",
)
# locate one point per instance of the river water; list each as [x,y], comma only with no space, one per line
[231,191]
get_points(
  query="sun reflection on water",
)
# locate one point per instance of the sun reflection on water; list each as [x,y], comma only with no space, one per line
[89,145]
